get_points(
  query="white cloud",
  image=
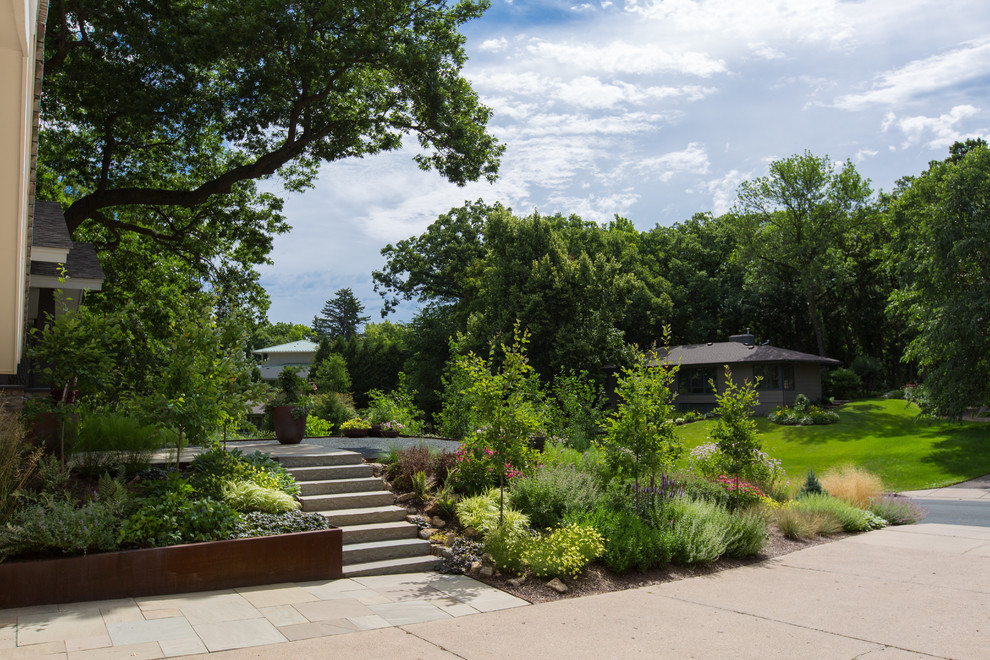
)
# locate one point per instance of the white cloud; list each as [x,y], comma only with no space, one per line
[865,154]
[924,76]
[494,45]
[691,160]
[626,57]
[940,132]
[723,190]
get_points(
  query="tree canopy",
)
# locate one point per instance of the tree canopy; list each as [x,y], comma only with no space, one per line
[340,316]
[158,118]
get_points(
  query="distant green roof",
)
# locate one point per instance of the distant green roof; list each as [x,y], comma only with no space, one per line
[302,346]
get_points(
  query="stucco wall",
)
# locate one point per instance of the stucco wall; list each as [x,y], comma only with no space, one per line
[20,30]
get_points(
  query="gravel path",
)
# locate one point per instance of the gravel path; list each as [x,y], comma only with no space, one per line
[372,447]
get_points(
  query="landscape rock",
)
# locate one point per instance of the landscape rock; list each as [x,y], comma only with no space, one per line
[487,559]
[557,585]
[412,518]
[438,522]
[517,582]
[405,497]
[451,537]
[377,469]
[488,571]
[427,533]
[432,508]
[475,569]
[469,532]
[442,551]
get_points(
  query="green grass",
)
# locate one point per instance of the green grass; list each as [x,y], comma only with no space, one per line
[883,436]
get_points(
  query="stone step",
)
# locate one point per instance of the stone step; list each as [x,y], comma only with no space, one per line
[327,458]
[365,515]
[393,566]
[362,553]
[380,531]
[324,472]
[346,500]
[334,486]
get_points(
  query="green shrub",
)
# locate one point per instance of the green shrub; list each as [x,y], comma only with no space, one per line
[214,467]
[333,407]
[421,485]
[547,496]
[116,443]
[258,523]
[709,462]
[331,374]
[746,533]
[563,551]
[701,529]
[482,513]
[506,546]
[318,428]
[898,510]
[630,543]
[811,486]
[851,518]
[842,383]
[399,405]
[249,496]
[173,518]
[59,525]
[265,462]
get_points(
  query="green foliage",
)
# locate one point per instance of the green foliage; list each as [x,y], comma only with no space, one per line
[17,462]
[291,387]
[851,518]
[563,551]
[870,372]
[842,383]
[340,317]
[630,542]
[639,437]
[331,374]
[214,467]
[793,224]
[701,529]
[577,413]
[115,442]
[174,518]
[506,546]
[59,525]
[746,533]
[257,523]
[318,428]
[552,492]
[482,512]
[802,415]
[800,524]
[54,474]
[396,406]
[333,407]
[940,253]
[249,496]
[811,486]
[734,431]
[708,461]
[421,485]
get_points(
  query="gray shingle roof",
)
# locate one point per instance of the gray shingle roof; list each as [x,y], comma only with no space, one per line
[301,346]
[81,263]
[49,228]
[731,352]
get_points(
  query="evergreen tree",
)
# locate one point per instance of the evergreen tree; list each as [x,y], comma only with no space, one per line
[340,317]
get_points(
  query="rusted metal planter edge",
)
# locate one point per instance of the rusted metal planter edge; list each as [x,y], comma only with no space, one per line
[297,557]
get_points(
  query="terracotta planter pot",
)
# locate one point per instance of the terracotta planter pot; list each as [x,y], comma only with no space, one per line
[298,557]
[288,429]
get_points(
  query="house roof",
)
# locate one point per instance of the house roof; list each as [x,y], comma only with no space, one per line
[732,352]
[301,346]
[81,263]
[49,228]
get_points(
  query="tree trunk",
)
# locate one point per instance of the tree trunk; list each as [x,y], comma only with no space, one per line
[816,322]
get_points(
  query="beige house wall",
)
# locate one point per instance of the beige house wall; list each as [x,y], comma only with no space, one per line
[21,27]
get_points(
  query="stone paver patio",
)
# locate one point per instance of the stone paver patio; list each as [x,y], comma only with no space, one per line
[183,624]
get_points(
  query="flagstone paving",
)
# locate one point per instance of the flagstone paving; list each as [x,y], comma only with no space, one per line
[184,624]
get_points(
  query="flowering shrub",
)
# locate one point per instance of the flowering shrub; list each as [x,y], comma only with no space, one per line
[477,467]
[392,426]
[356,423]
[708,461]
[743,493]
[802,413]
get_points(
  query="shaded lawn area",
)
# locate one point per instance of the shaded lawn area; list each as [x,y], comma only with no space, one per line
[882,436]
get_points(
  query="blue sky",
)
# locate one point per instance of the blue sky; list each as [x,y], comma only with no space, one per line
[655,111]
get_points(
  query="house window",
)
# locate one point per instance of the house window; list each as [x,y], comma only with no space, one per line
[774,377]
[695,380]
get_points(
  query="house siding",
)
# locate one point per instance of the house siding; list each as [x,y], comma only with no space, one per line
[807,381]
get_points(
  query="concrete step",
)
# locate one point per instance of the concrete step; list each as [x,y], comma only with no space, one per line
[324,472]
[346,500]
[335,486]
[392,566]
[362,553]
[381,531]
[365,515]
[330,457]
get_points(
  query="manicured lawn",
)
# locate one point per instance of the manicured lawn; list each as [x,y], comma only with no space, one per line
[883,436]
